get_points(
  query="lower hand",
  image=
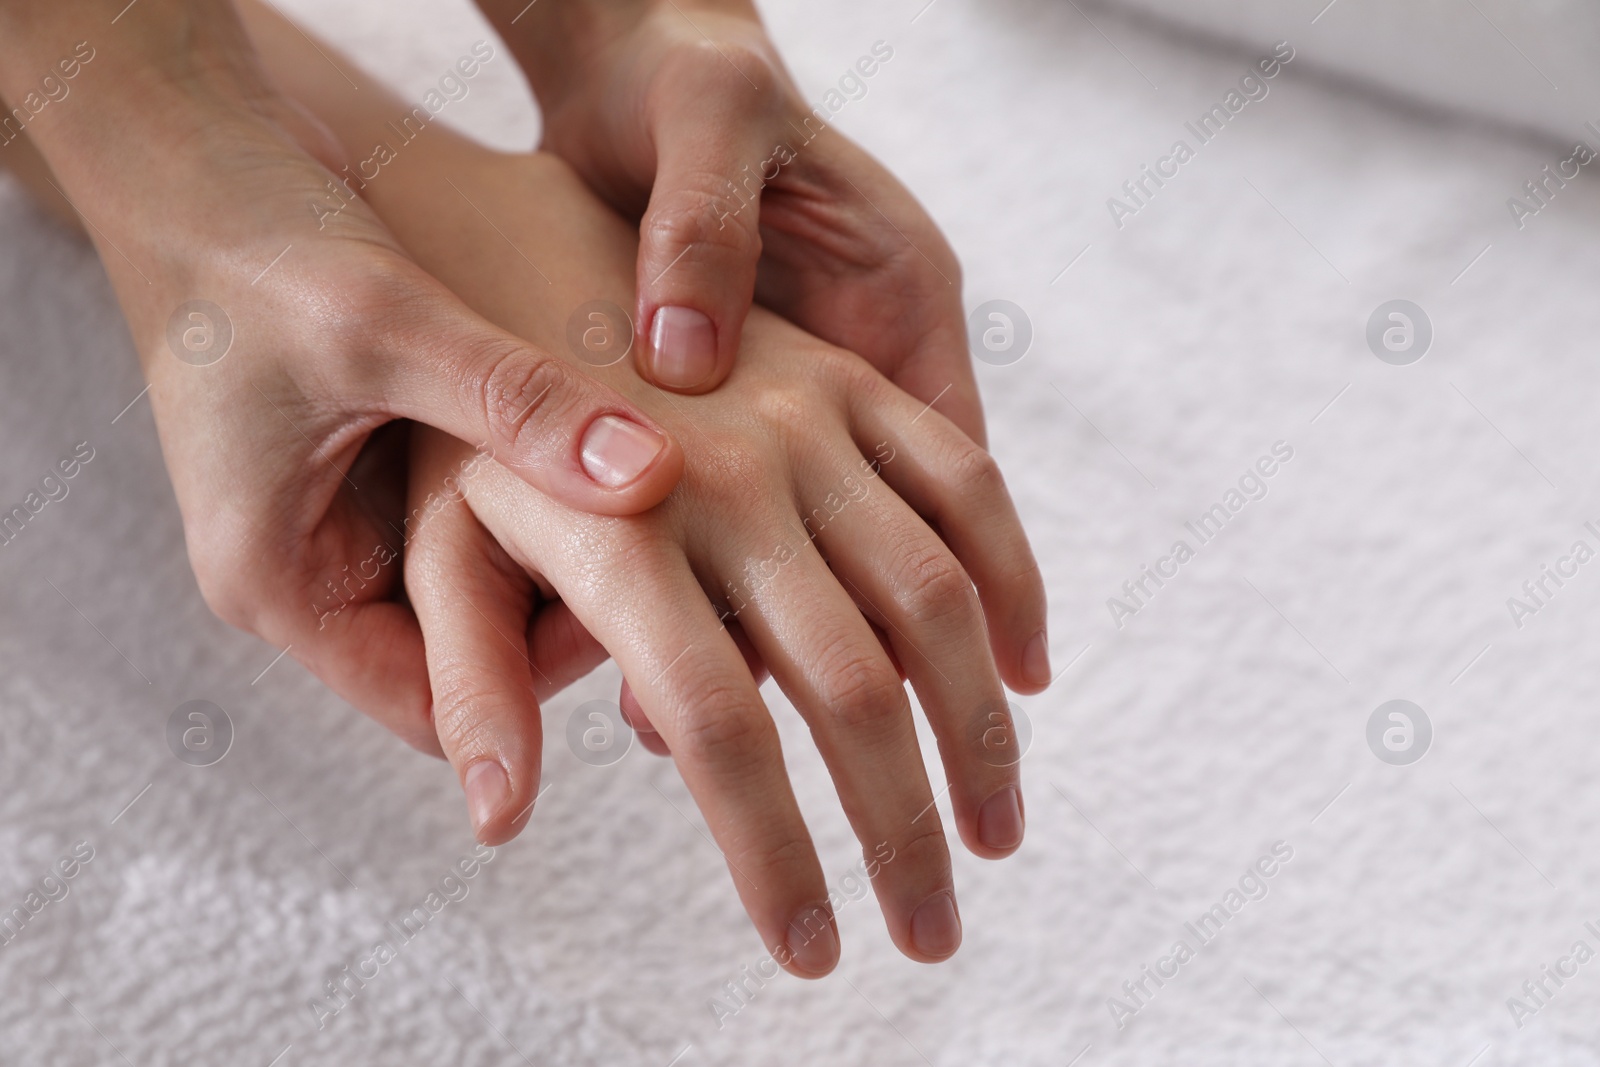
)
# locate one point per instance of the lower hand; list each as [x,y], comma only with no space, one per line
[806,516]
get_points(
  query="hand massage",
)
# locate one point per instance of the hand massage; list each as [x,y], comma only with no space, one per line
[399,469]
[710,532]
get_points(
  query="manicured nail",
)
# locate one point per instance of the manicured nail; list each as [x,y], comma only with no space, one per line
[813,946]
[684,344]
[616,451]
[488,789]
[1000,820]
[1036,660]
[935,927]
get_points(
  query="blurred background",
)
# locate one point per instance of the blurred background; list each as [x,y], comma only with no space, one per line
[1339,274]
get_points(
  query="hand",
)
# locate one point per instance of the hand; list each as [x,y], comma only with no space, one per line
[334,332]
[806,515]
[682,112]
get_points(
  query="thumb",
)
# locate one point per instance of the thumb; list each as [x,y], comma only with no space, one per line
[699,242]
[572,438]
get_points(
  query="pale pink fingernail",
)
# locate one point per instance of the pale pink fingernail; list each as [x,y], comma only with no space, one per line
[488,789]
[616,451]
[813,946]
[1036,660]
[1000,820]
[683,346]
[935,927]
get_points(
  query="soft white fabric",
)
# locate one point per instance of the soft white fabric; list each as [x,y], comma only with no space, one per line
[1533,63]
[1222,317]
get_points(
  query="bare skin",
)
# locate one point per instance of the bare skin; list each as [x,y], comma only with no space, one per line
[843,526]
[194,176]
[829,527]
[680,114]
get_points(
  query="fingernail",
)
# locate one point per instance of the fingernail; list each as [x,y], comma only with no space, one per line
[488,789]
[813,946]
[1000,820]
[935,927]
[685,347]
[616,451]
[1036,660]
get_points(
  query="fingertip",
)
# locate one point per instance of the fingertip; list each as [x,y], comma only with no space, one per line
[496,809]
[1000,822]
[995,829]
[1027,671]
[636,464]
[811,944]
[936,928]
[684,354]
[498,818]
[488,788]
[617,452]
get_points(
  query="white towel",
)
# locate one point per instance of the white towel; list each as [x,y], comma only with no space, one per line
[1534,63]
[1167,356]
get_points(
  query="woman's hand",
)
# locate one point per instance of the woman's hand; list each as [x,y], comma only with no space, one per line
[806,515]
[280,325]
[680,114]
[806,521]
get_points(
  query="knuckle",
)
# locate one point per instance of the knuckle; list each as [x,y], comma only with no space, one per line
[371,308]
[789,854]
[724,468]
[1030,580]
[459,698]
[847,378]
[925,853]
[725,732]
[743,64]
[1024,587]
[977,474]
[727,69]
[702,215]
[227,582]
[785,404]
[928,846]
[938,590]
[384,285]
[520,390]
[230,596]
[836,366]
[862,692]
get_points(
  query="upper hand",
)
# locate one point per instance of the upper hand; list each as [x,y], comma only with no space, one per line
[682,115]
[315,330]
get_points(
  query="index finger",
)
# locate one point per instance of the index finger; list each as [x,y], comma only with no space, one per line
[697,691]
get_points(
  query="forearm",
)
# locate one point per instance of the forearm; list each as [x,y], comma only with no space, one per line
[89,91]
[162,129]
